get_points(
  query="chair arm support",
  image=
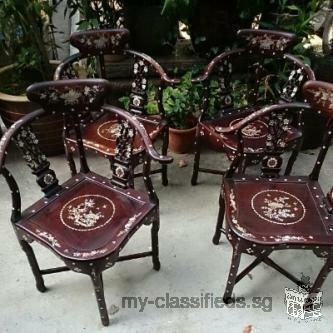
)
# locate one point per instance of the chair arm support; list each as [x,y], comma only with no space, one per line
[11,131]
[142,132]
[211,66]
[66,62]
[260,113]
[158,68]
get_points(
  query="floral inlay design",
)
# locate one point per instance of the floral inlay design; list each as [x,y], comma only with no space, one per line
[128,225]
[102,41]
[234,219]
[49,237]
[267,42]
[278,207]
[70,96]
[89,254]
[109,130]
[87,212]
[256,130]
[324,97]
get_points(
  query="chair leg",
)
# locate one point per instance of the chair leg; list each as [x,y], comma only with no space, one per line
[320,279]
[97,281]
[154,244]
[220,219]
[70,160]
[197,152]
[34,265]
[292,159]
[236,256]
[165,147]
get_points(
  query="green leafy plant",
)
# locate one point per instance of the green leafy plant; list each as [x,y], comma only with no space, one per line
[296,17]
[95,13]
[24,35]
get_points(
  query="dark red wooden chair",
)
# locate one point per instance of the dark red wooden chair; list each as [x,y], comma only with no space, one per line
[262,73]
[100,128]
[87,220]
[274,212]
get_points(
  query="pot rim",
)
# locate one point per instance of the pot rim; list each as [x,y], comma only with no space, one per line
[187,130]
[17,98]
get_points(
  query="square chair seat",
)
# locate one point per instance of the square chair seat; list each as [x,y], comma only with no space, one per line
[278,211]
[88,219]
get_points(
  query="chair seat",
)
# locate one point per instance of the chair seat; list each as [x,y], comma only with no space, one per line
[88,219]
[254,134]
[287,210]
[101,134]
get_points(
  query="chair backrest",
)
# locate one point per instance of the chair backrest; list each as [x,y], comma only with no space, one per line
[320,97]
[260,73]
[143,71]
[283,123]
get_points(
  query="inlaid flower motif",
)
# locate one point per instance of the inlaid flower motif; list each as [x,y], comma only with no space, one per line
[87,212]
[278,207]
[71,97]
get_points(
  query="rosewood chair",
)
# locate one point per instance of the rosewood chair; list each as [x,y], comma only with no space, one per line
[262,73]
[96,47]
[270,212]
[87,220]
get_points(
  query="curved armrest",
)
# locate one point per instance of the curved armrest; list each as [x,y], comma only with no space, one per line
[210,67]
[142,131]
[66,62]
[305,67]
[164,76]
[12,130]
[260,113]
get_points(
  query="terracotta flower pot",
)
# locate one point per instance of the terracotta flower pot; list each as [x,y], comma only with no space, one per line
[48,129]
[181,141]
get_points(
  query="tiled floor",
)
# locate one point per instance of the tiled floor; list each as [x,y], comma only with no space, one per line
[191,266]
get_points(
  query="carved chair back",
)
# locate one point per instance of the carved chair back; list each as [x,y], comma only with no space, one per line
[146,75]
[261,73]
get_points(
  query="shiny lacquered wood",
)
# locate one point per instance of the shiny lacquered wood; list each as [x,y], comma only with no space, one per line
[94,46]
[87,220]
[269,211]
[263,58]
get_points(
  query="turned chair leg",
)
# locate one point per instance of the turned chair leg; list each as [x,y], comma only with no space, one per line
[70,160]
[97,281]
[165,147]
[220,219]
[236,256]
[154,244]
[197,151]
[34,265]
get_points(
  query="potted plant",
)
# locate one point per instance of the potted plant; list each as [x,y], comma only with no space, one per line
[213,24]
[181,105]
[150,31]
[25,40]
